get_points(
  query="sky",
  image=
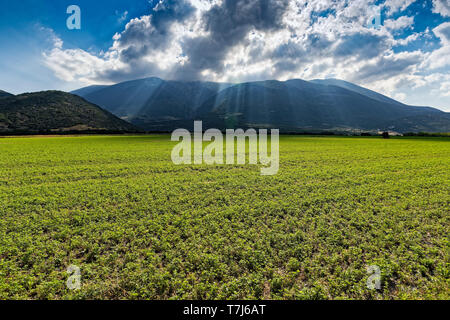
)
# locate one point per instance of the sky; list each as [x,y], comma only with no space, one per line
[400,48]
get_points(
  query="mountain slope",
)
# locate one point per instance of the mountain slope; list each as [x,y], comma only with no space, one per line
[151,98]
[352,87]
[54,111]
[88,90]
[124,99]
[297,105]
[4,94]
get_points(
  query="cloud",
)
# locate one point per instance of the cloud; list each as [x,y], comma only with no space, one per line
[122,17]
[442,7]
[445,89]
[389,66]
[400,96]
[440,58]
[361,45]
[228,40]
[443,32]
[152,32]
[400,23]
[394,6]
[411,38]
[227,25]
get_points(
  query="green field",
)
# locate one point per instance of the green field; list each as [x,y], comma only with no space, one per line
[140,227]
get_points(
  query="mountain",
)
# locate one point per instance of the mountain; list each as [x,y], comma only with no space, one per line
[55,111]
[4,94]
[350,86]
[152,99]
[88,90]
[292,106]
[300,105]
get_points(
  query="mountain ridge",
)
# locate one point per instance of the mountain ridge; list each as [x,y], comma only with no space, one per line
[294,105]
[130,98]
[355,88]
[4,94]
[322,108]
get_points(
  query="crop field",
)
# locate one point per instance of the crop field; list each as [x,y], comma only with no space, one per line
[140,227]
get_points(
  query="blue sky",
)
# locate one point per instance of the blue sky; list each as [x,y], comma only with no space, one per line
[406,57]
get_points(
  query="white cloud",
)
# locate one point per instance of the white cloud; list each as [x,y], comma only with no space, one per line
[443,32]
[442,7]
[293,43]
[401,23]
[397,5]
[411,38]
[123,17]
[400,96]
[440,57]
[445,89]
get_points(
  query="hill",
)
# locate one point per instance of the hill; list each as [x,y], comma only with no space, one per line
[55,111]
[4,94]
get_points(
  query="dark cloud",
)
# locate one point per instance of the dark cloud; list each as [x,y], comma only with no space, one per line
[292,55]
[134,70]
[231,21]
[289,50]
[289,56]
[152,32]
[386,67]
[361,45]
[285,65]
[168,11]
[228,24]
[134,52]
[317,42]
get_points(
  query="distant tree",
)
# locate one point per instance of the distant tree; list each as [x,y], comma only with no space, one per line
[386,135]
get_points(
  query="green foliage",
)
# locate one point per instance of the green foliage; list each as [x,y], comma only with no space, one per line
[140,227]
[55,111]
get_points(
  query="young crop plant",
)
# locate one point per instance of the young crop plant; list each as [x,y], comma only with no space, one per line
[140,227]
